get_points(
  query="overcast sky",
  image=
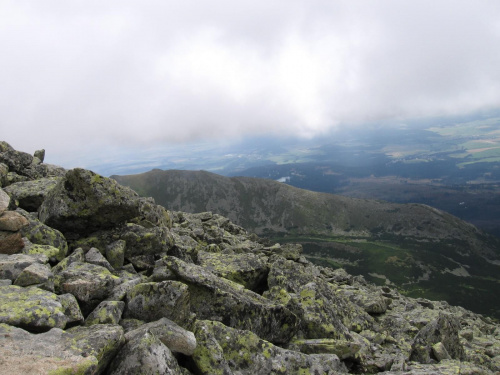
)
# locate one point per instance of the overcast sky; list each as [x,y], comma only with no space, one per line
[79,74]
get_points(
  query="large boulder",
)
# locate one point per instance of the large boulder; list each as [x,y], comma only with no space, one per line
[31,308]
[84,202]
[215,298]
[30,194]
[224,350]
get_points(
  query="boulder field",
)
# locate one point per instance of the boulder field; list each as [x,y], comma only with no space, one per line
[97,280]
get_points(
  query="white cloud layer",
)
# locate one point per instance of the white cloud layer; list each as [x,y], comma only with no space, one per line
[74,74]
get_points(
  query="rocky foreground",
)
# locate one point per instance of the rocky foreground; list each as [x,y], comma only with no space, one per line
[96,280]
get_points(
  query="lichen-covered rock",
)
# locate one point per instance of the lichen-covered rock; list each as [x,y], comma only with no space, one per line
[107,312]
[12,221]
[17,161]
[152,214]
[11,266]
[40,234]
[71,308]
[144,354]
[322,312]
[101,341]
[248,269]
[176,338]
[53,253]
[87,282]
[115,253]
[224,350]
[445,367]
[36,274]
[50,352]
[31,308]
[153,301]
[372,301]
[443,330]
[94,256]
[214,298]
[120,291]
[11,242]
[145,241]
[84,202]
[76,256]
[30,194]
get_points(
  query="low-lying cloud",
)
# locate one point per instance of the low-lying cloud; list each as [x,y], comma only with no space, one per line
[125,73]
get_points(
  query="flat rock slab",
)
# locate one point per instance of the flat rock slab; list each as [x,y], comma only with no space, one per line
[86,350]
[31,308]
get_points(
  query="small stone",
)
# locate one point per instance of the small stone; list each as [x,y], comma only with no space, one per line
[40,154]
[440,352]
[115,253]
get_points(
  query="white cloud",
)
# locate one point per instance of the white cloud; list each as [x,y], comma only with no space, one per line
[75,74]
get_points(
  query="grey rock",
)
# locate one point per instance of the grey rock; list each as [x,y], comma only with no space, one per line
[224,350]
[36,274]
[214,298]
[30,194]
[40,154]
[443,330]
[40,234]
[248,269]
[153,301]
[115,253]
[94,256]
[11,266]
[107,312]
[4,171]
[77,256]
[17,161]
[84,202]
[54,254]
[145,241]
[87,282]
[120,291]
[71,308]
[176,338]
[31,308]
[144,354]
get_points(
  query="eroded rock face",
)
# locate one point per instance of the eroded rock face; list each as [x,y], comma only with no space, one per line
[84,202]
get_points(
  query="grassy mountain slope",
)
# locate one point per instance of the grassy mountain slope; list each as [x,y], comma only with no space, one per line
[426,251]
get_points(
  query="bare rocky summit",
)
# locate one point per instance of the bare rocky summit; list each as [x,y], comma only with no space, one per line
[96,280]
